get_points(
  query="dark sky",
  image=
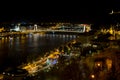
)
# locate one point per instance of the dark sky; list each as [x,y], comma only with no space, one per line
[69,11]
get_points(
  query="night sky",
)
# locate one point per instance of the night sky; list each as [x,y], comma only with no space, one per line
[71,11]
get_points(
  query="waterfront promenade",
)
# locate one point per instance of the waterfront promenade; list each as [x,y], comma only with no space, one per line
[93,66]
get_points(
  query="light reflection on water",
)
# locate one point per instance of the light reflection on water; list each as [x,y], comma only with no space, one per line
[27,48]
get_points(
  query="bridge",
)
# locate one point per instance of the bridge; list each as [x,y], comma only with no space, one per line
[7,34]
[59,28]
[49,30]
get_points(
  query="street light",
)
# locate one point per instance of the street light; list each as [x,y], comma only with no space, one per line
[115,15]
[92,76]
[113,12]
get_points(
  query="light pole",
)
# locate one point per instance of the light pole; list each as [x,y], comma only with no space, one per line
[115,18]
[113,12]
[115,15]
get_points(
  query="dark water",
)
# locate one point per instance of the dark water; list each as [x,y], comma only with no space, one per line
[23,49]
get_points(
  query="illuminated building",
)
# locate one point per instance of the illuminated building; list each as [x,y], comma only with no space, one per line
[1,29]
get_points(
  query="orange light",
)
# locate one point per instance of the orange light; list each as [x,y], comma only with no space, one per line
[92,76]
[98,64]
